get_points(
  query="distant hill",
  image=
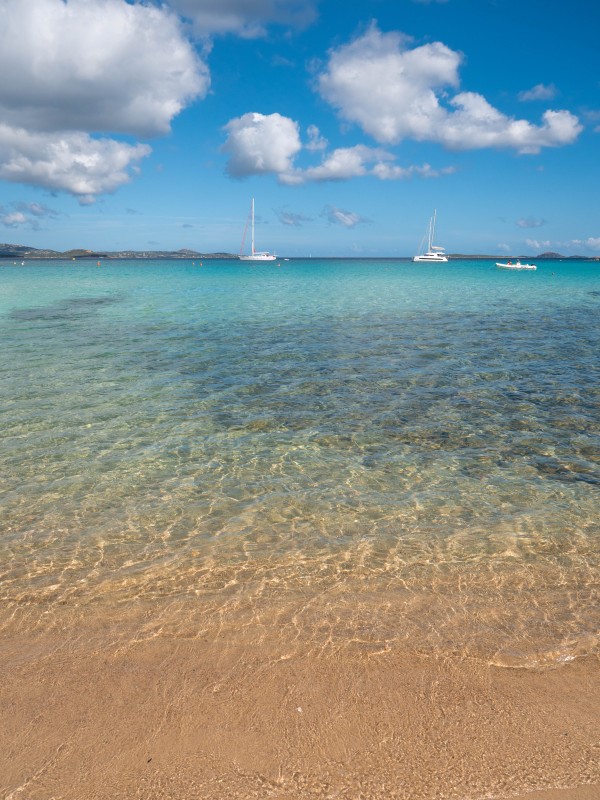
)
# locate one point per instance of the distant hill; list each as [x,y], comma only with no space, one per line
[522,256]
[20,251]
[23,251]
[570,258]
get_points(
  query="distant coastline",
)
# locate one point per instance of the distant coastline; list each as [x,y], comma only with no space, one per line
[23,252]
[33,253]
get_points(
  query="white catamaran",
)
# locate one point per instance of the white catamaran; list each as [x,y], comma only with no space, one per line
[255,255]
[433,253]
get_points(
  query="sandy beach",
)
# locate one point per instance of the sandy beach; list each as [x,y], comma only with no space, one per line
[218,717]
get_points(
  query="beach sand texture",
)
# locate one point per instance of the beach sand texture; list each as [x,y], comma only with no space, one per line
[218,717]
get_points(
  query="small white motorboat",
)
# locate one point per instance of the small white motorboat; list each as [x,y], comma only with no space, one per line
[516,265]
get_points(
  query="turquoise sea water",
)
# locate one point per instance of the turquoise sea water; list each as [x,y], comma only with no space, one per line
[376,452]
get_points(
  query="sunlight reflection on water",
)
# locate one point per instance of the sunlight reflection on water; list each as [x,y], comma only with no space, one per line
[351,451]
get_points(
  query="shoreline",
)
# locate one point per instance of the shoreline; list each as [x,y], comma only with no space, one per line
[93,716]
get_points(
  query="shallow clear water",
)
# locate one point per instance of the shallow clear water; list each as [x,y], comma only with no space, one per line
[379,452]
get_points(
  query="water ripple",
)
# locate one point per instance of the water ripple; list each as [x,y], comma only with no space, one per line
[342,455]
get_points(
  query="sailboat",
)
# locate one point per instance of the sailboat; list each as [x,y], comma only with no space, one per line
[254,254]
[433,253]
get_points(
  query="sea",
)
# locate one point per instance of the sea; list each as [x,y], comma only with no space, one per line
[321,453]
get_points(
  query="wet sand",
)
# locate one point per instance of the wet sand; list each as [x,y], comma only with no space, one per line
[87,718]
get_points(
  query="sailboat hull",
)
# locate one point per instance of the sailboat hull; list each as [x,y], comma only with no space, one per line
[259,257]
[431,258]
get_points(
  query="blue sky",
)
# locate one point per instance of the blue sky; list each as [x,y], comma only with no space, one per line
[148,125]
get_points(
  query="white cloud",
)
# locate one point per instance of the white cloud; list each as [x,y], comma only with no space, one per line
[315,140]
[259,144]
[591,243]
[37,210]
[291,218]
[81,67]
[539,92]
[538,245]
[344,163]
[390,172]
[13,219]
[95,65]
[71,162]
[338,216]
[394,92]
[530,222]
[25,214]
[351,162]
[476,124]
[592,115]
[244,18]
[388,89]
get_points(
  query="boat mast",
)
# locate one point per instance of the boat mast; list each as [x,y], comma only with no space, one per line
[432,230]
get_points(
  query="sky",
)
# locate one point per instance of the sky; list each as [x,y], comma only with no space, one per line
[129,125]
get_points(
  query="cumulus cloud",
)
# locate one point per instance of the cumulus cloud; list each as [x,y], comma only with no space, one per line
[351,162]
[530,222]
[246,19]
[261,143]
[539,92]
[344,163]
[95,65]
[378,82]
[394,91]
[477,124]
[337,216]
[70,162]
[80,68]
